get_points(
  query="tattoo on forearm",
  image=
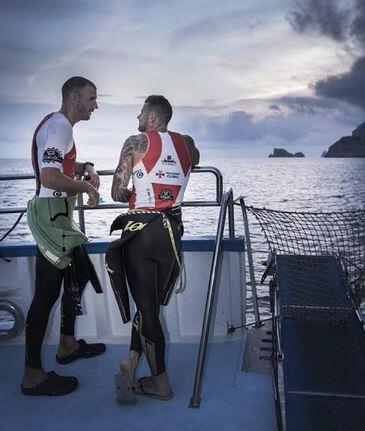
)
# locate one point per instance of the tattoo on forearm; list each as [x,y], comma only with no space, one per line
[123,172]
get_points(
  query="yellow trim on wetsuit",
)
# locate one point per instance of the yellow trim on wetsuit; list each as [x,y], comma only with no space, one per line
[169,228]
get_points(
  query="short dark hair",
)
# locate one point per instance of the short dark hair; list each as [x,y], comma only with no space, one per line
[161,105]
[75,83]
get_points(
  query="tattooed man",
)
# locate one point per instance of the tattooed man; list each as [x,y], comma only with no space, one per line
[148,254]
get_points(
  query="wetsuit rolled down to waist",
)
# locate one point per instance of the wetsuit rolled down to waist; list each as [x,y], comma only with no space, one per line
[60,241]
[147,256]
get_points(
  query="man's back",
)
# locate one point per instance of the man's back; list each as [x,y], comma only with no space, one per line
[161,174]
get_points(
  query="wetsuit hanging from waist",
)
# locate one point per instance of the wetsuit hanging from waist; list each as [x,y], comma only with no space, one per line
[144,234]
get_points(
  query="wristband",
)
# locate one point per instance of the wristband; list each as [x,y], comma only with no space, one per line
[87,163]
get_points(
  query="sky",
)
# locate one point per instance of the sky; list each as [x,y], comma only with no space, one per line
[243,76]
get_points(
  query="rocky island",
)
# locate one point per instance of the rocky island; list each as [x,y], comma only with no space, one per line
[349,146]
[281,152]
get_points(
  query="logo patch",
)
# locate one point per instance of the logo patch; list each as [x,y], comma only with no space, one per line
[168,160]
[52,155]
[57,194]
[139,174]
[174,175]
[133,226]
[166,195]
[160,174]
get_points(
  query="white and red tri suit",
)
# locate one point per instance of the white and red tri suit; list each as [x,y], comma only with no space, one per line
[161,176]
[53,147]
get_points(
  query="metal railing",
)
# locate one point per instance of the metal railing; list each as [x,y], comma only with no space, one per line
[227,201]
[81,207]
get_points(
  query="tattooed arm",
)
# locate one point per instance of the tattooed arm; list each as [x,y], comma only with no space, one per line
[133,149]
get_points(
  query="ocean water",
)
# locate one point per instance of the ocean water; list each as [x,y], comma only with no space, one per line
[309,185]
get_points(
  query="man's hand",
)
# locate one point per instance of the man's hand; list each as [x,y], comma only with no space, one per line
[122,195]
[93,195]
[91,176]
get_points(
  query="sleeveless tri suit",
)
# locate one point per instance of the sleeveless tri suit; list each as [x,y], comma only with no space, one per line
[147,257]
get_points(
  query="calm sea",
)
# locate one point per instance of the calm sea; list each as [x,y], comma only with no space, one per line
[286,184]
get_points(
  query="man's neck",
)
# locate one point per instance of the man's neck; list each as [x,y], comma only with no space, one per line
[159,127]
[69,115]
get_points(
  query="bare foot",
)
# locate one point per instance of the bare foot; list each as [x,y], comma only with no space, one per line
[156,385]
[129,364]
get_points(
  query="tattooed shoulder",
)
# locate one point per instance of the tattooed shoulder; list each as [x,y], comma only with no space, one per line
[138,143]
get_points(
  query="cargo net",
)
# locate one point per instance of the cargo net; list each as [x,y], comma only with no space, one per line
[319,260]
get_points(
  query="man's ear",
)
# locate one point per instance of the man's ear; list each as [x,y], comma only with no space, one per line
[74,97]
[152,116]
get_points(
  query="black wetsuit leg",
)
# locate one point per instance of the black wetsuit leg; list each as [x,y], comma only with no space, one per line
[48,282]
[149,262]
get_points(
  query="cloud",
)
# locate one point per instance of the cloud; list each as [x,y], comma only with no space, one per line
[309,105]
[224,24]
[241,127]
[274,107]
[325,16]
[60,9]
[358,24]
[348,87]
[343,22]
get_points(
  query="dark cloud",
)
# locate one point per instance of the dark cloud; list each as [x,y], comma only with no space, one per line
[308,105]
[358,24]
[324,16]
[348,87]
[240,126]
[330,18]
[274,108]
[343,21]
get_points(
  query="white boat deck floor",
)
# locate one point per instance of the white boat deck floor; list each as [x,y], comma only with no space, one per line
[231,400]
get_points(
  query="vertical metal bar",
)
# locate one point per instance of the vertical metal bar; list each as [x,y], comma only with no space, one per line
[80,210]
[231,219]
[213,278]
[250,265]
[219,187]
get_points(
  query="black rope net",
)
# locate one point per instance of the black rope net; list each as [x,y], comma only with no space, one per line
[320,261]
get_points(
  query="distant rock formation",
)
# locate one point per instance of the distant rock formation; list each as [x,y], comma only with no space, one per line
[281,152]
[349,146]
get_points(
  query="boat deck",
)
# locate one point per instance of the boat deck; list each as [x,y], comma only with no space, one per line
[232,400]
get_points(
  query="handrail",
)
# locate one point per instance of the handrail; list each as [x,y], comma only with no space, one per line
[227,201]
[81,207]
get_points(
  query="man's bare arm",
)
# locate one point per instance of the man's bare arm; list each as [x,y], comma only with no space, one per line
[134,147]
[194,152]
[53,178]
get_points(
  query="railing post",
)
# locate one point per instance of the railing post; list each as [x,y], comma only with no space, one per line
[250,264]
[231,219]
[213,279]
[80,211]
